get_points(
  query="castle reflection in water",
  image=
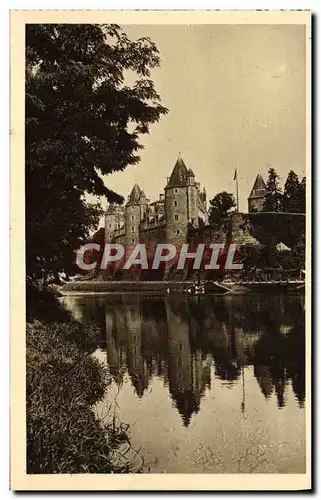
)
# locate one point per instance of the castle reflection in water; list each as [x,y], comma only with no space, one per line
[183,340]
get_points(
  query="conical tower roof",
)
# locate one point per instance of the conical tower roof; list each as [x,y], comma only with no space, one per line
[135,194]
[186,405]
[259,187]
[179,174]
[111,209]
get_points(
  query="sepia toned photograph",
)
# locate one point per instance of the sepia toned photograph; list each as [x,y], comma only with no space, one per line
[161,305]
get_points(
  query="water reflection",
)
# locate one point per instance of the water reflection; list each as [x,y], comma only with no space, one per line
[181,339]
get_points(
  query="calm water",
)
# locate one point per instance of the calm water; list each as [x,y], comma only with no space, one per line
[207,384]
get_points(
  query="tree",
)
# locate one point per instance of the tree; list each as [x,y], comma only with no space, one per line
[250,255]
[294,194]
[273,201]
[221,206]
[82,122]
[301,197]
[298,254]
[291,187]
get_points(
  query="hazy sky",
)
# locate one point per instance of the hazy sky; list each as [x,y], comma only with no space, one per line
[236,98]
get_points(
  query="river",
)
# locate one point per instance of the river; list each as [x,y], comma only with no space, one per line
[211,384]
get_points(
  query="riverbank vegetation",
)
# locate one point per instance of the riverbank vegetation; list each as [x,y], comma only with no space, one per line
[64,382]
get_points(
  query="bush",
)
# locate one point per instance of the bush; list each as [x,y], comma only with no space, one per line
[63,382]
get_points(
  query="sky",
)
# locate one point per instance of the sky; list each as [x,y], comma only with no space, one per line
[236,99]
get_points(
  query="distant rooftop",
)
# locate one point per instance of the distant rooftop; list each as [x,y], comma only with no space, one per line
[259,187]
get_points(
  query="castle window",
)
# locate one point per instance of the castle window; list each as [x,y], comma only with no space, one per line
[133,229]
[109,225]
[133,217]
[175,203]
[176,217]
[175,190]
[133,241]
[177,232]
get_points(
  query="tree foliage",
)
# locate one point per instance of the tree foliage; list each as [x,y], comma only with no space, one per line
[82,122]
[273,199]
[294,194]
[292,200]
[221,206]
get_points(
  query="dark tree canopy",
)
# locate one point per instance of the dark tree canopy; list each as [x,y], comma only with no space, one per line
[82,122]
[273,199]
[294,194]
[220,207]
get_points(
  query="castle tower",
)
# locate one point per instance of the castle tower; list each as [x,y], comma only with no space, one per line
[180,203]
[257,195]
[114,219]
[133,215]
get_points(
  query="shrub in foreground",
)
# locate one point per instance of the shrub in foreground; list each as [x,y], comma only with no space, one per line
[63,382]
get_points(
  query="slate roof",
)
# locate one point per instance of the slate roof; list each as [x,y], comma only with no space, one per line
[111,209]
[259,187]
[135,194]
[179,174]
[114,208]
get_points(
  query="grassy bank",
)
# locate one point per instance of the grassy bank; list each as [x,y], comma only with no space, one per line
[63,383]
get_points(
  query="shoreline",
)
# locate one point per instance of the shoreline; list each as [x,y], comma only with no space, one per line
[156,287]
[105,287]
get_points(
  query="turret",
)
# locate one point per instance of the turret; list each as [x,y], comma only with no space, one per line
[133,216]
[257,195]
[176,204]
[190,177]
[114,219]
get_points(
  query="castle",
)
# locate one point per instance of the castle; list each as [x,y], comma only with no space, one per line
[180,207]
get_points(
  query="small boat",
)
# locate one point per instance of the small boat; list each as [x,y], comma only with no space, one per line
[195,289]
